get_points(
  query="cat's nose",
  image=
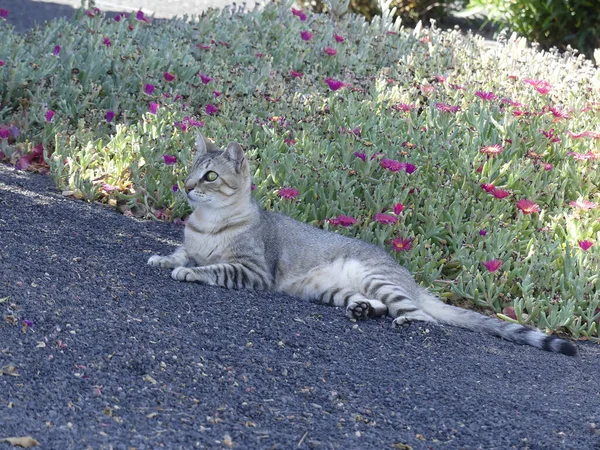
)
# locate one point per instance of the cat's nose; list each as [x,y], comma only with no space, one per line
[188,189]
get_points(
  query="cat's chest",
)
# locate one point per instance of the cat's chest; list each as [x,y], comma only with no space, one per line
[206,248]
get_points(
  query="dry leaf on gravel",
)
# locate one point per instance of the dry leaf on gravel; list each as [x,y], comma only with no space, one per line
[25,442]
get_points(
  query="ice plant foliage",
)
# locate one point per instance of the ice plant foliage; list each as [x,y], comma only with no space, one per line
[487,139]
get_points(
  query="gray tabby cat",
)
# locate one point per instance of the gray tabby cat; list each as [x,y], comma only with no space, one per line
[231,242]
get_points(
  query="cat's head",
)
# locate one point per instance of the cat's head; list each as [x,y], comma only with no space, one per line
[218,178]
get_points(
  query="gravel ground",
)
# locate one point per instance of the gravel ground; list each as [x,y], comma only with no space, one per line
[121,356]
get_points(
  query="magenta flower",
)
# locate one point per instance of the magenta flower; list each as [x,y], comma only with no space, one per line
[404,107]
[338,38]
[169,160]
[168,76]
[330,51]
[49,115]
[334,85]
[398,208]
[211,109]
[492,265]
[447,108]
[500,193]
[4,133]
[106,41]
[56,50]
[193,122]
[485,95]
[511,102]
[584,205]
[592,134]
[3,13]
[216,94]
[585,244]
[441,78]
[296,74]
[181,125]
[550,135]
[203,47]
[175,188]
[547,166]
[401,244]
[360,155]
[385,219]
[2,62]
[487,187]
[110,115]
[492,150]
[543,87]
[140,16]
[409,168]
[482,232]
[149,89]
[527,206]
[558,113]
[287,192]
[153,107]
[582,156]
[306,35]
[392,165]
[299,14]
[205,78]
[342,221]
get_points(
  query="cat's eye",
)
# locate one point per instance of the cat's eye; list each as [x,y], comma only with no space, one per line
[211,176]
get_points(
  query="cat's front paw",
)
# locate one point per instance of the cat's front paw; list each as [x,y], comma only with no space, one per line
[183,274]
[401,321]
[358,310]
[160,261]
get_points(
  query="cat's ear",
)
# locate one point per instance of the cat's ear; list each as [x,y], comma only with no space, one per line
[234,153]
[200,145]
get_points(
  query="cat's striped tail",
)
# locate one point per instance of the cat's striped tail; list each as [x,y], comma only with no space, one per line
[471,320]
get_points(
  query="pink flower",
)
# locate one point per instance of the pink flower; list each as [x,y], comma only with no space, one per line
[447,108]
[485,95]
[299,14]
[398,208]
[203,47]
[3,13]
[582,156]
[360,155]
[204,78]
[306,35]
[558,113]
[49,115]
[168,76]
[287,192]
[441,78]
[181,125]
[482,232]
[511,102]
[153,107]
[585,205]
[592,134]
[527,206]
[547,166]
[216,94]
[110,115]
[487,187]
[169,160]
[404,107]
[296,74]
[56,50]
[175,188]
[140,16]
[149,89]
[338,38]
[342,221]
[4,133]
[385,219]
[427,88]
[492,265]
[106,41]
[500,193]
[330,51]
[2,62]
[585,244]
[392,165]
[334,85]
[401,244]
[211,109]
[409,168]
[550,135]
[543,87]
[492,150]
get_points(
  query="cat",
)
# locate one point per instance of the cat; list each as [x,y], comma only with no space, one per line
[230,241]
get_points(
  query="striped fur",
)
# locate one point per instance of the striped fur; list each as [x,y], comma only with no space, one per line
[231,242]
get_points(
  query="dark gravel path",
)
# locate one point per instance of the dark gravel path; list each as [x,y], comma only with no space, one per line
[121,356]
